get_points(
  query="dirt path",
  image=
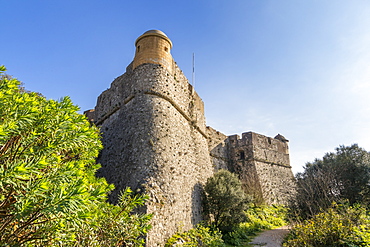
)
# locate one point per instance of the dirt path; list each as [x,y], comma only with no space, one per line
[270,238]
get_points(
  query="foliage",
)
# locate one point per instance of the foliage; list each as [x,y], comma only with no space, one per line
[265,217]
[240,236]
[338,176]
[48,188]
[259,218]
[199,236]
[340,225]
[225,200]
[115,225]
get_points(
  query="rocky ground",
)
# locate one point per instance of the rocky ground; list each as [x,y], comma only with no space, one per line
[270,238]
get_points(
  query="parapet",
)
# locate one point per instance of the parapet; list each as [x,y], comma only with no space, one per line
[261,148]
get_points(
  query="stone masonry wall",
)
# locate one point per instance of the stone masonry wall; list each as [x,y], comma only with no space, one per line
[263,166]
[267,149]
[154,139]
[261,162]
[218,149]
[277,182]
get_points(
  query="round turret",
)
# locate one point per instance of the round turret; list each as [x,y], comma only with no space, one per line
[153,47]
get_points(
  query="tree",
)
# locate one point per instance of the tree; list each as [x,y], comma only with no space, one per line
[225,200]
[49,194]
[344,175]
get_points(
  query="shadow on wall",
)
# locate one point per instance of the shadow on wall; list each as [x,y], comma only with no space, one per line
[197,204]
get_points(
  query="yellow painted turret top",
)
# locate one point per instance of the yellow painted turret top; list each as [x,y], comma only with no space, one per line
[153,47]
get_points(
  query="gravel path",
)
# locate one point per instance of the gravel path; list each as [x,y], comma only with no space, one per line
[270,238]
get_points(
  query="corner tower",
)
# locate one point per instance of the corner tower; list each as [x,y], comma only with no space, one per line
[154,137]
[154,47]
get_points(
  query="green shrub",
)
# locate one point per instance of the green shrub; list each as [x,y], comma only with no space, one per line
[225,200]
[241,236]
[340,225]
[199,236]
[258,218]
[49,195]
[265,217]
[115,225]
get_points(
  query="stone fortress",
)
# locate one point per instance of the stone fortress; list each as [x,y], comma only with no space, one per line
[156,141]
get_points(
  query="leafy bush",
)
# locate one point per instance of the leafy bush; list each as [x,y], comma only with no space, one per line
[49,195]
[225,200]
[265,217]
[199,236]
[340,225]
[115,225]
[240,236]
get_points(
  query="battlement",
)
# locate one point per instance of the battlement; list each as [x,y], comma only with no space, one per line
[255,146]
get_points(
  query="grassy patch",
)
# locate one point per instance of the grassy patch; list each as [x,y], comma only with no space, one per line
[258,218]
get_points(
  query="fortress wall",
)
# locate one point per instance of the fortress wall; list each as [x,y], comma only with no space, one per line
[259,147]
[217,149]
[277,182]
[158,81]
[152,144]
[268,149]
[111,99]
[238,145]
[249,177]
[263,166]
[127,158]
[240,151]
[182,168]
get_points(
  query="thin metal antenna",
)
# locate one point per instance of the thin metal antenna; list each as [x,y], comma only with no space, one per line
[193,74]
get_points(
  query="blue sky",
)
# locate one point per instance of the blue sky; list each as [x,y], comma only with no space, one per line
[298,68]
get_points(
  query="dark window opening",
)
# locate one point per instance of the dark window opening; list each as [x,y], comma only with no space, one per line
[241,155]
[138,48]
[166,49]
